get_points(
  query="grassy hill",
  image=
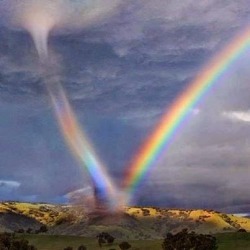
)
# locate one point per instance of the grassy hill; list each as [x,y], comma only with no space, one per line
[132,223]
[143,227]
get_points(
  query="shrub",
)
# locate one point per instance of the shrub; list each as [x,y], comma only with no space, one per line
[8,242]
[29,231]
[43,229]
[105,238]
[82,247]
[20,231]
[124,245]
[110,239]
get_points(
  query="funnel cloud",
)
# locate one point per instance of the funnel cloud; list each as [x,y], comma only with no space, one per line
[39,17]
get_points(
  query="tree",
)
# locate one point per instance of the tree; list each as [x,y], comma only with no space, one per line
[124,245]
[9,242]
[101,241]
[6,240]
[20,231]
[110,239]
[43,229]
[29,231]
[82,247]
[105,238]
[188,241]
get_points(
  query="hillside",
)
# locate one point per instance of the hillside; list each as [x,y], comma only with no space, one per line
[133,223]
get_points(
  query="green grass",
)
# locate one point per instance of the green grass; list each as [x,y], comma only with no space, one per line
[233,241]
[50,242]
[226,241]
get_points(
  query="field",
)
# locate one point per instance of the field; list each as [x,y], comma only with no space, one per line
[233,241]
[48,242]
[226,241]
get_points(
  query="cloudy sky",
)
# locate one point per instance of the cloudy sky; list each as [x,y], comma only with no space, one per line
[121,74]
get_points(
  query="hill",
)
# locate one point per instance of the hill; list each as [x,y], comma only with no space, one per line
[132,223]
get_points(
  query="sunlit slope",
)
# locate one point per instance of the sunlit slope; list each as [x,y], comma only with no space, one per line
[132,223]
[47,214]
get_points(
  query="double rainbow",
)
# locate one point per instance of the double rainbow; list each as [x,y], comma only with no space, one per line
[160,139]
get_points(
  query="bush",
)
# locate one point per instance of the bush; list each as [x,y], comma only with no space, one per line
[124,245]
[29,231]
[82,247]
[105,238]
[110,239]
[43,229]
[20,231]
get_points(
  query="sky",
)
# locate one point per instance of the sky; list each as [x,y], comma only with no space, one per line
[121,74]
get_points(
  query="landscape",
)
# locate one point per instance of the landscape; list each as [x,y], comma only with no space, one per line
[124,125]
[143,228]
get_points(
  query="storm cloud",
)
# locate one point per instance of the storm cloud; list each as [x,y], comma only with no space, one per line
[121,75]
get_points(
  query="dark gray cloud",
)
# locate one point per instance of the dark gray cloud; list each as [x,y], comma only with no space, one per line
[121,75]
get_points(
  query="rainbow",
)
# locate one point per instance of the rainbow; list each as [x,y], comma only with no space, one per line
[162,135]
[79,144]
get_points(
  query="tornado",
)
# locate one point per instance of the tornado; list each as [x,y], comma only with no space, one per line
[40,18]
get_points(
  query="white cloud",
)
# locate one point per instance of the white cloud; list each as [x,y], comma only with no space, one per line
[88,190]
[7,184]
[196,111]
[238,115]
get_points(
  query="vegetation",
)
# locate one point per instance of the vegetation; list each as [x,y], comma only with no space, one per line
[225,241]
[188,241]
[42,229]
[105,238]
[124,245]
[143,228]
[82,247]
[9,242]
[137,222]
[233,241]
[45,242]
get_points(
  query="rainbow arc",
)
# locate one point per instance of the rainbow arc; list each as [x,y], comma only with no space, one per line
[175,116]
